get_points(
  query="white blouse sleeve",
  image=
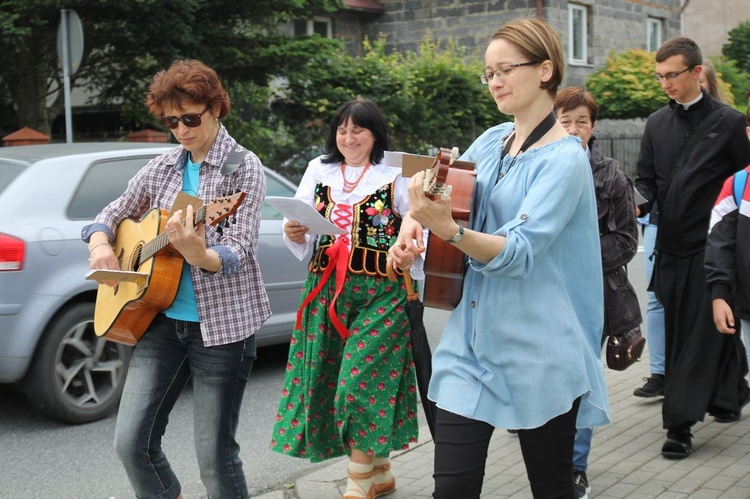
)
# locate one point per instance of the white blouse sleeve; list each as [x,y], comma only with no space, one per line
[401,205]
[306,193]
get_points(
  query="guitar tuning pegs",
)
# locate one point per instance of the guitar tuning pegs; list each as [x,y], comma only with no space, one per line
[219,229]
[454,155]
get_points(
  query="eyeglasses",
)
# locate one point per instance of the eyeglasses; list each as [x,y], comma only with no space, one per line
[670,76]
[189,120]
[503,72]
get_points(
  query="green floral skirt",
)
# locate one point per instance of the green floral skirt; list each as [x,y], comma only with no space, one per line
[358,393]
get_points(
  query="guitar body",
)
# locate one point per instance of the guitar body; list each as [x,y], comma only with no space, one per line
[444,263]
[124,312]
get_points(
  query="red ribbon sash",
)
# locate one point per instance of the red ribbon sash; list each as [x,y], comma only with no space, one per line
[338,259]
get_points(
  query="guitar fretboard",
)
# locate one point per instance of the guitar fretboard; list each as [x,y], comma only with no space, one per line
[162,240]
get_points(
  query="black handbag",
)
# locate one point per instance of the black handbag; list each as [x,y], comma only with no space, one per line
[625,350]
[622,312]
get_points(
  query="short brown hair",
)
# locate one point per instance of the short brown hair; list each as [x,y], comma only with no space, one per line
[187,82]
[681,45]
[539,42]
[570,98]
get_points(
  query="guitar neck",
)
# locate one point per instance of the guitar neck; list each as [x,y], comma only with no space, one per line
[161,241]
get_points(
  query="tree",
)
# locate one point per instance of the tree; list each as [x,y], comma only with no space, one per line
[738,46]
[734,83]
[736,67]
[125,43]
[625,88]
[431,99]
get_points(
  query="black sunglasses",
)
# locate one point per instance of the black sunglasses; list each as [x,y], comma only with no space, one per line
[190,120]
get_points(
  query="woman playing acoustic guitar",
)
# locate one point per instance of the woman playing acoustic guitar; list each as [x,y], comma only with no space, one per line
[207,332]
[522,349]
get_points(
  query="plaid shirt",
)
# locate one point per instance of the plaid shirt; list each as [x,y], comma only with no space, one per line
[232,303]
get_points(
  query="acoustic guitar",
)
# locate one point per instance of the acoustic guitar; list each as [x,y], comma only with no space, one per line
[123,312]
[444,263]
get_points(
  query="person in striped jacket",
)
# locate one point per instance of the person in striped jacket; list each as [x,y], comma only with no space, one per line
[727,259]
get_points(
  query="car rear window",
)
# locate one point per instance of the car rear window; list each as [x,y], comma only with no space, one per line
[103,183]
[8,172]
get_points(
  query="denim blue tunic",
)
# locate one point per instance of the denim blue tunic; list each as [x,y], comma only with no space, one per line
[524,342]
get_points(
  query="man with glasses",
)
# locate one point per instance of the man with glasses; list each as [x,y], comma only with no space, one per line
[688,148]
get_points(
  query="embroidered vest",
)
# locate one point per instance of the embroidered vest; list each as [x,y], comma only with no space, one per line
[375,226]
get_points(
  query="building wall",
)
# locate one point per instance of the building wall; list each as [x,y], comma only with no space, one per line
[613,24]
[708,22]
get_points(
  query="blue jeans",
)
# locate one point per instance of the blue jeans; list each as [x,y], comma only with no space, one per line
[168,355]
[581,448]
[655,313]
[582,442]
[745,326]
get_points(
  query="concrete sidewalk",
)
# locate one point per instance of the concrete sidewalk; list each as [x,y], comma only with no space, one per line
[625,458]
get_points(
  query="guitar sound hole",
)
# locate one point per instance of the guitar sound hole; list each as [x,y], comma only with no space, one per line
[134,263]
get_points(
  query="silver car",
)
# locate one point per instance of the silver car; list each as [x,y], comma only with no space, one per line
[47,342]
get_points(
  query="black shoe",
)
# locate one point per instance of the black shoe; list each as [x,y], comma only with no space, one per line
[653,387]
[679,444]
[732,417]
[727,417]
[581,484]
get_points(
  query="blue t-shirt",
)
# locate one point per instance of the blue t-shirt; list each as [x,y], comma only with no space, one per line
[184,307]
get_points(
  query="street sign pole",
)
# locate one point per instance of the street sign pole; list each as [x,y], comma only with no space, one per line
[70,52]
[66,75]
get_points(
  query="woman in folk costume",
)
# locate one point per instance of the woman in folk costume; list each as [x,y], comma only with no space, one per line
[350,384]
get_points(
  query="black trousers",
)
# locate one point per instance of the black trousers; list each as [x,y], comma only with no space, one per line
[461,454]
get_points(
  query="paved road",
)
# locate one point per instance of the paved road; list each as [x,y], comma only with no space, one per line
[41,459]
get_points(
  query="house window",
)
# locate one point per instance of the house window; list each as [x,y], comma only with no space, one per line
[317,26]
[577,36]
[654,34]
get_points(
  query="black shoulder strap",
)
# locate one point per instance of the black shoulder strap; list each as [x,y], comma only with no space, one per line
[236,156]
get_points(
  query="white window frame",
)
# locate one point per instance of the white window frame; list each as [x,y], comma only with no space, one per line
[581,35]
[320,19]
[653,27]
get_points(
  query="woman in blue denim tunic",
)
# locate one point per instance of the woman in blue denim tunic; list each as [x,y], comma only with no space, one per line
[522,349]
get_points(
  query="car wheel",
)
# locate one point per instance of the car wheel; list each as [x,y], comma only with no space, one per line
[76,376]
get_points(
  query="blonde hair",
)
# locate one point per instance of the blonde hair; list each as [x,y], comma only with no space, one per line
[709,73]
[539,42]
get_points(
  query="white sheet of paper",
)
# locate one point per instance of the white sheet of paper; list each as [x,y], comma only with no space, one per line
[639,199]
[296,209]
[116,275]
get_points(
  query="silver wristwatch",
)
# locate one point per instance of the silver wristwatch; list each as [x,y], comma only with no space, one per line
[457,237]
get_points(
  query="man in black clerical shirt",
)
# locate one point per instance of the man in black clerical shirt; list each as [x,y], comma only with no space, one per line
[689,148]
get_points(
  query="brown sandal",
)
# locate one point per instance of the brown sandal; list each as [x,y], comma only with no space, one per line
[385,488]
[356,488]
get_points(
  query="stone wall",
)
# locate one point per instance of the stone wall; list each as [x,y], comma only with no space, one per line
[614,25]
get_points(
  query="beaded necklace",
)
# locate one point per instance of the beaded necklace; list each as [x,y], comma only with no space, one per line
[350,186]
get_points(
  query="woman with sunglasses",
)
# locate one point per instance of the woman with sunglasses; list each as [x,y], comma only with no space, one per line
[522,348]
[207,334]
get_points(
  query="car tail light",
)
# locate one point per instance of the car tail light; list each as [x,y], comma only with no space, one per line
[11,253]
